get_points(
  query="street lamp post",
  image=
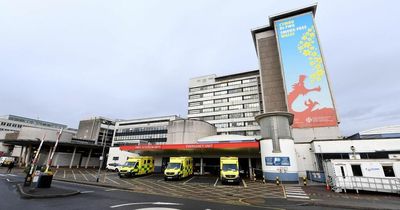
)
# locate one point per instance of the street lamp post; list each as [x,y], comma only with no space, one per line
[104,148]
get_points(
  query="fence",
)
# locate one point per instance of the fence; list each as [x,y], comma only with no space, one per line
[390,185]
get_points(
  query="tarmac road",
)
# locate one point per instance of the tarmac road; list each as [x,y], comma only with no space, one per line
[93,197]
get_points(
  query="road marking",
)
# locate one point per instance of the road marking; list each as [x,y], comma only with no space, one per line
[3,175]
[91,174]
[188,180]
[244,183]
[215,184]
[8,180]
[146,203]
[73,174]
[89,191]
[55,173]
[12,175]
[83,175]
[126,182]
[144,177]
[64,173]
[111,190]
[113,181]
[295,192]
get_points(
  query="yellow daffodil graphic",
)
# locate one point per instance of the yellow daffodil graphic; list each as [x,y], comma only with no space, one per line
[305,47]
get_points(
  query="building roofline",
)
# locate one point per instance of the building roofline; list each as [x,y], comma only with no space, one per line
[255,72]
[311,8]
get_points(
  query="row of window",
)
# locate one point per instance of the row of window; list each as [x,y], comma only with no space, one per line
[235,124]
[242,133]
[224,100]
[11,125]
[224,84]
[141,137]
[229,116]
[224,92]
[225,108]
[141,129]
[387,170]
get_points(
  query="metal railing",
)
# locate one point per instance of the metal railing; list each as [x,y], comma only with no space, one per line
[390,185]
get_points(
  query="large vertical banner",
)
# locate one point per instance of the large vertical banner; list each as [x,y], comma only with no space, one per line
[308,93]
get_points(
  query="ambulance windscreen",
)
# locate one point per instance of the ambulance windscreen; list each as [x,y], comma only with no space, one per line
[229,167]
[173,165]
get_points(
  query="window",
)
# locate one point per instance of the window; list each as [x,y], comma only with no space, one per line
[239,98]
[249,97]
[251,123]
[249,80]
[221,125]
[207,118]
[388,170]
[208,102]
[235,107]
[342,170]
[194,104]
[250,114]
[356,170]
[221,100]
[221,92]
[252,105]
[252,88]
[194,96]
[237,90]
[205,95]
[115,158]
[221,108]
[194,89]
[221,117]
[208,87]
[237,124]
[208,110]
[220,85]
[194,111]
[234,83]
[235,115]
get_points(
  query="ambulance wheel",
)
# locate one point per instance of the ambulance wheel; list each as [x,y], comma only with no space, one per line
[165,179]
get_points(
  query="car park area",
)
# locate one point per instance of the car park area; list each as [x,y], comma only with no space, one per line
[207,187]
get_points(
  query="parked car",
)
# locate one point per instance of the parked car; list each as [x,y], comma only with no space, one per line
[113,167]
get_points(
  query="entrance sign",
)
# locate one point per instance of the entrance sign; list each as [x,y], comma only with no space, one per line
[277,161]
[308,93]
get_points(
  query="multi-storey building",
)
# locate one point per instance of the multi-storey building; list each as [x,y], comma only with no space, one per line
[95,131]
[15,123]
[228,102]
[147,130]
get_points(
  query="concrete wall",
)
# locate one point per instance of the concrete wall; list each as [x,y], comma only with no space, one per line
[37,133]
[305,158]
[93,162]
[309,134]
[184,131]
[89,129]
[64,159]
[273,93]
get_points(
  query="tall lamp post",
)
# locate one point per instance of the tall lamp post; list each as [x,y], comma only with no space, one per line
[104,148]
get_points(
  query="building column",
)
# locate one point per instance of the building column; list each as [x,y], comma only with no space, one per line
[20,162]
[28,156]
[250,170]
[72,159]
[201,166]
[278,156]
[88,158]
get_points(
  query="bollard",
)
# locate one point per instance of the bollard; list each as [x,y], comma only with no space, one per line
[277,180]
[304,181]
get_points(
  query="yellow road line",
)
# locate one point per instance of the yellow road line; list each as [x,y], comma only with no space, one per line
[73,174]
[83,175]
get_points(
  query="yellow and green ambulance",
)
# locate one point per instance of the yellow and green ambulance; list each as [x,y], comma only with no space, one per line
[178,168]
[229,170]
[135,166]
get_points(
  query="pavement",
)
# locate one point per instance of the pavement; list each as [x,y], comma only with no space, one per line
[52,192]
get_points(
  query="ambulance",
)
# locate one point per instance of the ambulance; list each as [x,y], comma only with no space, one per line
[135,166]
[178,168]
[229,170]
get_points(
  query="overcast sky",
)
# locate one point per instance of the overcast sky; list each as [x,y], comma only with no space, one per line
[64,61]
